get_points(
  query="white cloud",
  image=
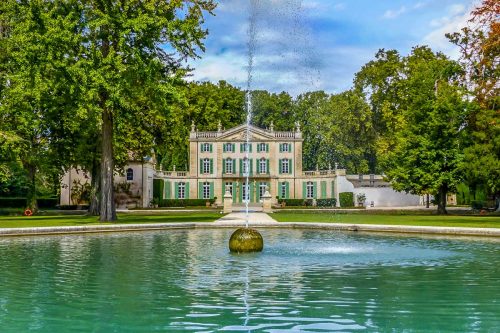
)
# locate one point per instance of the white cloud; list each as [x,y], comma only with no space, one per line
[390,14]
[457,19]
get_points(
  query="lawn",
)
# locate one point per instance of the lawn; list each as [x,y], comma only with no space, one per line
[391,219]
[80,220]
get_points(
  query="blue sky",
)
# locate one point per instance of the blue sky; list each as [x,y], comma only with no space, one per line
[318,44]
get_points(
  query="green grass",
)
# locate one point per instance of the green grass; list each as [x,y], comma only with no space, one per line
[81,220]
[391,219]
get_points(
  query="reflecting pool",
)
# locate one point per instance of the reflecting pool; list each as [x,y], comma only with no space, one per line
[304,280]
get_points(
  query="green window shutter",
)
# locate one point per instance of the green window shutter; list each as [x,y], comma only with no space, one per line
[290,166]
[281,147]
[323,189]
[167,189]
[234,147]
[267,166]
[257,192]
[234,167]
[186,191]
[304,190]
[200,190]
[223,166]
[176,187]
[201,166]
[223,147]
[241,166]
[258,147]
[211,190]
[250,148]
[251,166]
[290,147]
[287,190]
[315,190]
[211,166]
[267,147]
[279,165]
[210,148]
[241,192]
[252,190]
[241,148]
[234,191]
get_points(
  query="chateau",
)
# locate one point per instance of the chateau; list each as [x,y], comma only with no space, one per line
[220,161]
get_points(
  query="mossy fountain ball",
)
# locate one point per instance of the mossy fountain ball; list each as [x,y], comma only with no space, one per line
[245,240]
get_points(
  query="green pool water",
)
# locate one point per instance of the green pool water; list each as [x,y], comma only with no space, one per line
[304,280]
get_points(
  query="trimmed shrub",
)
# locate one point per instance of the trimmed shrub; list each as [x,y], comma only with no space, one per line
[184,202]
[21,202]
[346,199]
[293,202]
[308,202]
[477,204]
[158,185]
[326,202]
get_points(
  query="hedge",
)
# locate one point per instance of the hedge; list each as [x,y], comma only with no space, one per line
[184,202]
[158,185]
[293,202]
[326,202]
[346,199]
[21,202]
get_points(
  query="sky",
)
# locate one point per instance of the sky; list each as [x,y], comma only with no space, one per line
[308,45]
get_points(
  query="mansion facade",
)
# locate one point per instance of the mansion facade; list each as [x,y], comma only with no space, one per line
[222,160]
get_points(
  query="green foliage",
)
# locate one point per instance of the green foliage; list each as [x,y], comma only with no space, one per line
[21,202]
[158,189]
[346,199]
[184,202]
[326,202]
[361,198]
[293,202]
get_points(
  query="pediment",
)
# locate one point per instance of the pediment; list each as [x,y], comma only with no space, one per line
[240,133]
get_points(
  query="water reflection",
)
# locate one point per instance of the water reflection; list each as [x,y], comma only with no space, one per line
[303,281]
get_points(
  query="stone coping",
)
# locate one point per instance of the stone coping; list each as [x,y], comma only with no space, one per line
[452,231]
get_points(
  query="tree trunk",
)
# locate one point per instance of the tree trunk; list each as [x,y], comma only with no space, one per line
[443,191]
[31,193]
[497,202]
[96,188]
[427,200]
[107,205]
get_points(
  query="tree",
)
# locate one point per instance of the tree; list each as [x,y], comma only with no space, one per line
[480,56]
[33,84]
[431,112]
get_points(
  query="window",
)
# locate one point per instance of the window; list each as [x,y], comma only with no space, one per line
[206,190]
[245,188]
[130,174]
[229,188]
[228,148]
[285,147]
[309,190]
[262,189]
[246,147]
[181,191]
[206,147]
[261,147]
[283,190]
[229,166]
[262,165]
[285,166]
[246,167]
[206,165]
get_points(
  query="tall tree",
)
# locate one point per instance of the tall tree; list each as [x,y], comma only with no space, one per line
[431,112]
[131,53]
[480,56]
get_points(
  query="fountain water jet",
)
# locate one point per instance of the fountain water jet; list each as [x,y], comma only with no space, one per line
[246,239]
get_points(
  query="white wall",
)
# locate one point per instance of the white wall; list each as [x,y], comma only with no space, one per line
[387,197]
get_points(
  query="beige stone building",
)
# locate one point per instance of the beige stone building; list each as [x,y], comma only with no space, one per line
[220,161]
